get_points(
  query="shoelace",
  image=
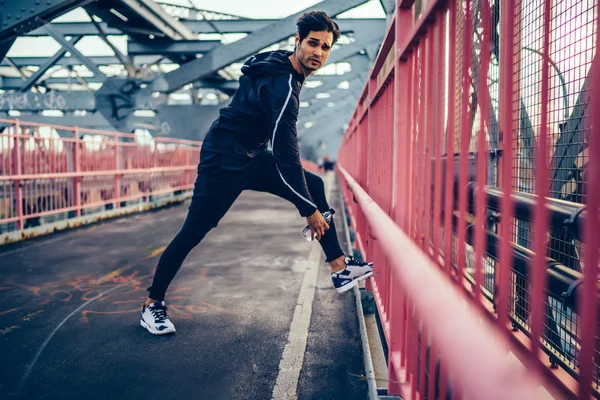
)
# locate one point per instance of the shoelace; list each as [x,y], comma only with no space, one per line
[358,263]
[160,313]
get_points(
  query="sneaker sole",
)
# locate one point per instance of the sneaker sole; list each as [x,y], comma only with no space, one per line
[350,285]
[155,332]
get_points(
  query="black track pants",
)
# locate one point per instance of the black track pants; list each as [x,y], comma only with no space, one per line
[215,191]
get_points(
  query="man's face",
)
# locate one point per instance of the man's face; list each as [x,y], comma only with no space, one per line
[313,51]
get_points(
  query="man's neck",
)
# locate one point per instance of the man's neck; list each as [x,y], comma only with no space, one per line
[298,66]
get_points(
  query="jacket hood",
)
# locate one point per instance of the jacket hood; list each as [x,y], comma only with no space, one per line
[270,63]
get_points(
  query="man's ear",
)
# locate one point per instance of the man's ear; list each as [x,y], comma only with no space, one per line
[297,40]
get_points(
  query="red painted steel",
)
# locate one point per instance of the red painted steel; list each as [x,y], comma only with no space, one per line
[541,212]
[440,52]
[465,136]
[49,170]
[506,111]
[590,282]
[451,105]
[482,150]
[480,369]
[477,95]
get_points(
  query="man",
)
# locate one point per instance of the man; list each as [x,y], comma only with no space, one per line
[234,158]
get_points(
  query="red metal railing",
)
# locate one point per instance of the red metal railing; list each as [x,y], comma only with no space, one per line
[50,170]
[468,101]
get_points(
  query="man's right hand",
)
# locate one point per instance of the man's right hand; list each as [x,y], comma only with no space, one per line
[317,225]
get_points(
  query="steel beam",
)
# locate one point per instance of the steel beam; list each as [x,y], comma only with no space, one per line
[20,17]
[52,100]
[32,80]
[347,51]
[360,67]
[356,86]
[309,115]
[155,15]
[16,67]
[225,86]
[326,113]
[327,83]
[188,121]
[324,128]
[199,26]
[249,26]
[388,6]
[223,56]
[78,78]
[337,95]
[354,78]
[124,59]
[97,60]
[573,140]
[93,121]
[327,131]
[175,24]
[5,47]
[176,48]
[67,45]
[9,83]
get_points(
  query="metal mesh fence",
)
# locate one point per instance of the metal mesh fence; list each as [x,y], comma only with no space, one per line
[572,50]
[49,173]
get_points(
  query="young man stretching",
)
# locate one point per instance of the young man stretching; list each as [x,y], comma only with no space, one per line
[234,158]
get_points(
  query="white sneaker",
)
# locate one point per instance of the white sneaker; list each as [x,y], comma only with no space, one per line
[154,318]
[349,277]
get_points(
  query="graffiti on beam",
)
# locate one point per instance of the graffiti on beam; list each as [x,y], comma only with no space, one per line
[51,100]
[121,103]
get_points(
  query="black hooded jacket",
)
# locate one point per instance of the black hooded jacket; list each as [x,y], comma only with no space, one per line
[264,108]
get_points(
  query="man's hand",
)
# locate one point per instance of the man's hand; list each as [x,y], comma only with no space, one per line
[317,224]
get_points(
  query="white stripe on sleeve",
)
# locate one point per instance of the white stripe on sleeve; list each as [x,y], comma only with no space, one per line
[273,142]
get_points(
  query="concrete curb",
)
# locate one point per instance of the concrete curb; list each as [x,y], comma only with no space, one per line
[369,370]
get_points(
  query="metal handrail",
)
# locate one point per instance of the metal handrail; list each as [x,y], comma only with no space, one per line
[441,307]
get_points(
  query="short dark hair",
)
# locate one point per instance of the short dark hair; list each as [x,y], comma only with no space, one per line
[317,21]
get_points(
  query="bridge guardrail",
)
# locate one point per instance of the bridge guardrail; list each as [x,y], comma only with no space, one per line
[57,172]
[508,91]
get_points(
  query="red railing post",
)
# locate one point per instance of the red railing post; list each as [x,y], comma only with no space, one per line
[440,65]
[17,171]
[371,162]
[428,135]
[450,131]
[399,375]
[117,173]
[465,129]
[589,308]
[538,276]
[505,162]
[482,150]
[77,169]
[186,176]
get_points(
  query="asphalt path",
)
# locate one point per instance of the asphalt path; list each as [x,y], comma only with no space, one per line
[70,303]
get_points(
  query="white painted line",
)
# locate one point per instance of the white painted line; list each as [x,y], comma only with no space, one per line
[293,353]
[292,359]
